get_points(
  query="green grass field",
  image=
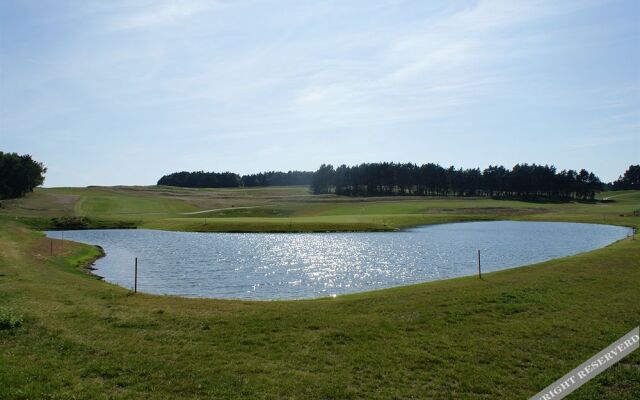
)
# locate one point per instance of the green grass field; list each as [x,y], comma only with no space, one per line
[506,336]
[289,209]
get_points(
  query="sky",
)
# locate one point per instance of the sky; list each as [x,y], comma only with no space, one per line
[123,92]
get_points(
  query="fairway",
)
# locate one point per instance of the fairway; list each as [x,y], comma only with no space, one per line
[506,336]
[291,209]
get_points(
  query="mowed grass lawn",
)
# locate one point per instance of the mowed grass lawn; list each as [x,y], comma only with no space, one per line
[281,209]
[506,336]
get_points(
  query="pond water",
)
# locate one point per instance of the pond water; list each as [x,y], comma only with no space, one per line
[265,266]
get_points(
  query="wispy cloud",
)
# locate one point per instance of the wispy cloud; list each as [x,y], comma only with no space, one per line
[160,13]
[431,67]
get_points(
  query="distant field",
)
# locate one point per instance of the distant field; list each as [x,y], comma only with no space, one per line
[291,209]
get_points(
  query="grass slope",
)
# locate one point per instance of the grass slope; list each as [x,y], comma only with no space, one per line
[290,209]
[507,336]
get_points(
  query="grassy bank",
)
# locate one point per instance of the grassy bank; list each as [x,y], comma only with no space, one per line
[507,336]
[281,209]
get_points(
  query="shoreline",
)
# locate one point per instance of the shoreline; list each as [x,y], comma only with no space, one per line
[88,266]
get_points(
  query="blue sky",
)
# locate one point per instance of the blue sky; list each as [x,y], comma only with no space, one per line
[116,92]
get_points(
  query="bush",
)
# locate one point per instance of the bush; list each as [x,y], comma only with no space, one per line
[70,223]
[9,320]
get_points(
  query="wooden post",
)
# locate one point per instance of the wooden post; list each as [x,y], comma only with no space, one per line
[50,247]
[479,269]
[135,279]
[62,243]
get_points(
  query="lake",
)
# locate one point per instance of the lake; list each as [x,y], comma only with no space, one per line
[266,266]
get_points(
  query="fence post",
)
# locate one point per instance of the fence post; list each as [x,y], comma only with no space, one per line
[479,269]
[135,279]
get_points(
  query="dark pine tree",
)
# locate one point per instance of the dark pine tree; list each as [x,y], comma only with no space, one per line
[19,175]
[524,181]
[630,180]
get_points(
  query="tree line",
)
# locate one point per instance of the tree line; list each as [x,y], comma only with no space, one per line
[19,174]
[275,178]
[201,179]
[629,181]
[526,181]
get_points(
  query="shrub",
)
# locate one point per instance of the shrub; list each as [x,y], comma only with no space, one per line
[70,223]
[9,319]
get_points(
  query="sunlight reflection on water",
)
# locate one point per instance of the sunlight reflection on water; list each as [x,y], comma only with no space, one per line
[291,266]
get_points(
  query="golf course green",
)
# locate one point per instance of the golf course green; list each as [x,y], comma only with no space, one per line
[507,336]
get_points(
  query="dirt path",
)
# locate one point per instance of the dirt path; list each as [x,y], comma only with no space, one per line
[216,209]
